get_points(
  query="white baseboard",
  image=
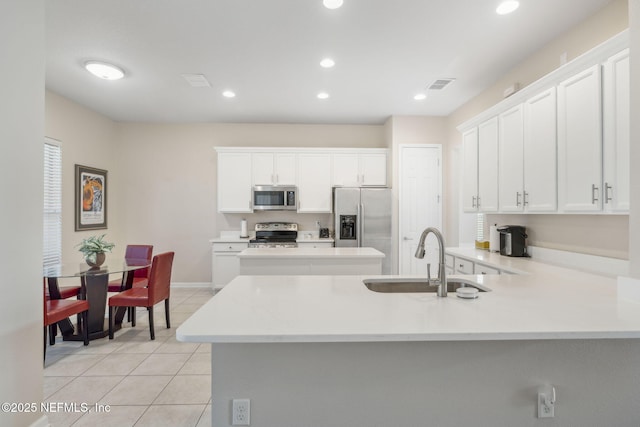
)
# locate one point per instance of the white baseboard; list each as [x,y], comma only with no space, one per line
[191,285]
[612,267]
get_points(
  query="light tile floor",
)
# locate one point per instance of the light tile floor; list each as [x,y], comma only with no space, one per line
[144,383]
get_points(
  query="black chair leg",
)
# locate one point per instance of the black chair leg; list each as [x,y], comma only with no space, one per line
[166,312]
[133,316]
[152,332]
[110,322]
[45,343]
[85,326]
[52,333]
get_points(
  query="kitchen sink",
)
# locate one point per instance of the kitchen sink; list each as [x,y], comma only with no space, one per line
[410,285]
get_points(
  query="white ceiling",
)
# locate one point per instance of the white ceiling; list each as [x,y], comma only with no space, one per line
[268,52]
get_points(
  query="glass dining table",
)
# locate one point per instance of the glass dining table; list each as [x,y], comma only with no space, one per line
[94,282]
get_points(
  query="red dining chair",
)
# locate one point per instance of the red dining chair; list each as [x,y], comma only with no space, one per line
[140,277]
[157,290]
[65,291]
[58,309]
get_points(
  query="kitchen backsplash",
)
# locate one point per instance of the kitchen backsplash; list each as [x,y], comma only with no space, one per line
[305,221]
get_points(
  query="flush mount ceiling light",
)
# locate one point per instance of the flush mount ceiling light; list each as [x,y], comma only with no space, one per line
[332,4]
[420,97]
[323,95]
[229,94]
[104,70]
[327,63]
[508,6]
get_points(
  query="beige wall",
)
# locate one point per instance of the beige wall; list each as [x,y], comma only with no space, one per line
[89,139]
[577,236]
[169,182]
[21,133]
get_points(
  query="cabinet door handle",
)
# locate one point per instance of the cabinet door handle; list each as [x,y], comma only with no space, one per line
[478,202]
[607,187]
[525,198]
[517,198]
[594,190]
[473,201]
[408,238]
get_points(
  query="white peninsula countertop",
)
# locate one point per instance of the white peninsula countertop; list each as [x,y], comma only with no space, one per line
[289,253]
[310,261]
[547,303]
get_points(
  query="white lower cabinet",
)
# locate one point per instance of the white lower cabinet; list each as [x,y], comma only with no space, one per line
[225,265]
[449,264]
[485,269]
[463,266]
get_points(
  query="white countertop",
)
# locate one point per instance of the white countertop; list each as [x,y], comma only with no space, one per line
[547,303]
[274,253]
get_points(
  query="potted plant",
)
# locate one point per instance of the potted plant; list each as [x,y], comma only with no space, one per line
[93,249]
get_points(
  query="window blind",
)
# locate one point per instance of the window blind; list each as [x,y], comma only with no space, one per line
[52,231]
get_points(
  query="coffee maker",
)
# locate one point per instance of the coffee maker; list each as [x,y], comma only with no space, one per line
[512,240]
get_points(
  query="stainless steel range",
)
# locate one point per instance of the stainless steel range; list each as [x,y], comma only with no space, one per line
[275,235]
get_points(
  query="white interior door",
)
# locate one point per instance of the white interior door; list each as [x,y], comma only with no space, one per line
[420,206]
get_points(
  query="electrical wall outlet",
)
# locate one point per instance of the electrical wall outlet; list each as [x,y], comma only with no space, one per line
[547,403]
[241,412]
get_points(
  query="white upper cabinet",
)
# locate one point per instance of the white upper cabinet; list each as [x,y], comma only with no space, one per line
[470,170]
[488,166]
[314,182]
[540,145]
[312,170]
[511,160]
[234,182]
[360,169]
[580,142]
[563,141]
[480,168]
[273,168]
[616,118]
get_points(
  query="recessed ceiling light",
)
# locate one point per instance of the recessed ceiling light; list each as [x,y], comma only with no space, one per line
[327,63]
[229,94]
[332,4]
[507,7]
[323,95]
[420,97]
[104,70]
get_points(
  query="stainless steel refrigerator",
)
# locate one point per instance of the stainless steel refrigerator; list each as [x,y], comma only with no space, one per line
[362,218]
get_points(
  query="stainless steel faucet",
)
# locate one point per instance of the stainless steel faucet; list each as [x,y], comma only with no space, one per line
[442,274]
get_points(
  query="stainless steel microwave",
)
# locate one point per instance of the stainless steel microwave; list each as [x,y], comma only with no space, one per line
[274,198]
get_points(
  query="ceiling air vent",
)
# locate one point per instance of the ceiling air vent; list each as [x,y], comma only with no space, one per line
[440,84]
[196,80]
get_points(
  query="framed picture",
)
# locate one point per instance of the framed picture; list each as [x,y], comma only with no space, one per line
[90,198]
